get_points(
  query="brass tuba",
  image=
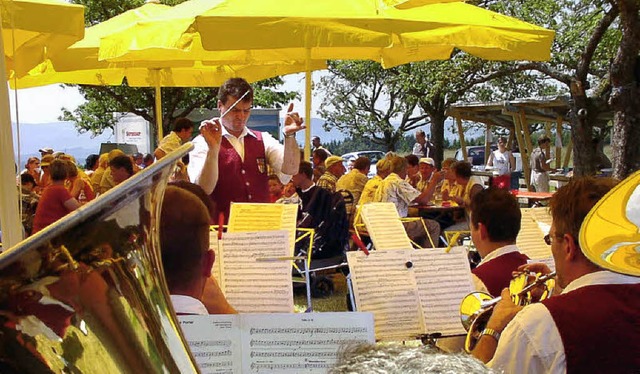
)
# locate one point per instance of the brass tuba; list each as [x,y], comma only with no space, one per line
[87,294]
[476,307]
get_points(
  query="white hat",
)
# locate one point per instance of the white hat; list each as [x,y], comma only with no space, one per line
[428,160]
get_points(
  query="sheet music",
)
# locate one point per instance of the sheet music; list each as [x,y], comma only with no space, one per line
[214,341]
[213,245]
[252,285]
[549,261]
[386,287]
[300,343]
[264,217]
[443,279]
[534,226]
[384,226]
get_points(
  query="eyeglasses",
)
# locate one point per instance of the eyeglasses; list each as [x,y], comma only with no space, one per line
[549,238]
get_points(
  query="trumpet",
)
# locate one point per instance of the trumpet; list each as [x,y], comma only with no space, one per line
[476,308]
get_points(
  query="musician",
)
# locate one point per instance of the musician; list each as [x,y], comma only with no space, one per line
[591,327]
[227,148]
[495,224]
[186,257]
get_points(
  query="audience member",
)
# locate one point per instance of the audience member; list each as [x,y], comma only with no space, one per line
[315,142]
[29,201]
[428,174]
[503,163]
[96,177]
[540,165]
[495,223]
[180,133]
[275,188]
[55,202]
[372,185]
[355,180]
[79,187]
[468,188]
[396,189]
[289,195]
[318,157]
[227,147]
[45,178]
[91,164]
[592,326]
[138,159]
[423,146]
[413,168]
[321,210]
[45,151]
[147,160]
[107,182]
[32,167]
[121,168]
[186,257]
[334,170]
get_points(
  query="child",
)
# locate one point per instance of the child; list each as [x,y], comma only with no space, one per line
[289,196]
[275,188]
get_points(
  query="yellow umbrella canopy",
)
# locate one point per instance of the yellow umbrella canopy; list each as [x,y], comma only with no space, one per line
[33,29]
[610,234]
[263,30]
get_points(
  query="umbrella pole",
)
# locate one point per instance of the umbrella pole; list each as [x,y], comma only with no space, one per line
[307,106]
[158,97]
[9,222]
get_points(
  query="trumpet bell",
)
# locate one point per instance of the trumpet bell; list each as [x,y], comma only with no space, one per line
[87,294]
[474,316]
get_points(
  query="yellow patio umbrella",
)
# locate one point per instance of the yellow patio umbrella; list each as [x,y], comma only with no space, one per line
[79,64]
[610,234]
[254,31]
[30,28]
[33,29]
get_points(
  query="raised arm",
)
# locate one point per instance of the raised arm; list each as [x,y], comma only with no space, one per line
[292,124]
[203,163]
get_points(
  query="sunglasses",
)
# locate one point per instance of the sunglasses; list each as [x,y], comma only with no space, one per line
[549,238]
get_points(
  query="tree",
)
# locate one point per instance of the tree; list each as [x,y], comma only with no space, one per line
[95,115]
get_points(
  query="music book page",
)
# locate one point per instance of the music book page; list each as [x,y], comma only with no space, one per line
[214,341]
[384,285]
[384,226]
[255,272]
[534,226]
[444,279]
[280,343]
[264,217]
[213,245]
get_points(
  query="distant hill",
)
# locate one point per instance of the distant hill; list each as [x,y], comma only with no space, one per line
[61,136]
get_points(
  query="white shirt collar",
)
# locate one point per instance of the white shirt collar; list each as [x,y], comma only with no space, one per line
[244,133]
[499,252]
[183,304]
[310,187]
[600,277]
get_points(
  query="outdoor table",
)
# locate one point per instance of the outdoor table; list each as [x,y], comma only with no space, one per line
[440,207]
[532,197]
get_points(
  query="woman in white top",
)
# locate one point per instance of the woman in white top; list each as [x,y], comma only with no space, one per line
[503,163]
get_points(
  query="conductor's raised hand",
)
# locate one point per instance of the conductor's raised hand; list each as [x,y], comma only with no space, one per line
[211,131]
[292,121]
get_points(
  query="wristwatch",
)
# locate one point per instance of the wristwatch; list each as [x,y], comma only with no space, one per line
[492,333]
[293,134]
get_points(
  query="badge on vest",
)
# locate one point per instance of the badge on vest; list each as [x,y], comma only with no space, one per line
[262,165]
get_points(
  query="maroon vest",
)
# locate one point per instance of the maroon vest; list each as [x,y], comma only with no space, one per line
[241,181]
[600,328]
[496,274]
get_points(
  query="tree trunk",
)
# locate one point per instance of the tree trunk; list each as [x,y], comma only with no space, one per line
[625,96]
[584,154]
[437,136]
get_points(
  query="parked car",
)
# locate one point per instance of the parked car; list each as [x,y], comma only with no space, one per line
[373,156]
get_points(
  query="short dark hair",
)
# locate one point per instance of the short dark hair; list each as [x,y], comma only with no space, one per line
[122,161]
[181,123]
[362,163]
[235,87]
[27,178]
[498,210]
[412,160]
[91,161]
[58,170]
[148,157]
[462,169]
[184,236]
[199,192]
[321,154]
[306,168]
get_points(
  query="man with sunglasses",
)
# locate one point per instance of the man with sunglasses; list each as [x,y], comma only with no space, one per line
[591,327]
[230,162]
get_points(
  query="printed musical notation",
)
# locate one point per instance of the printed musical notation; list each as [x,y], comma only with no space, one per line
[411,292]
[384,226]
[244,217]
[535,224]
[283,343]
[251,285]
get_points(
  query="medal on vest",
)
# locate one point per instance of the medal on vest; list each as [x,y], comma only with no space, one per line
[262,165]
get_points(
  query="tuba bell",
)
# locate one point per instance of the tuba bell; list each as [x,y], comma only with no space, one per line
[476,308]
[87,294]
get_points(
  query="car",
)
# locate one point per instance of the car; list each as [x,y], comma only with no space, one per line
[373,156]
